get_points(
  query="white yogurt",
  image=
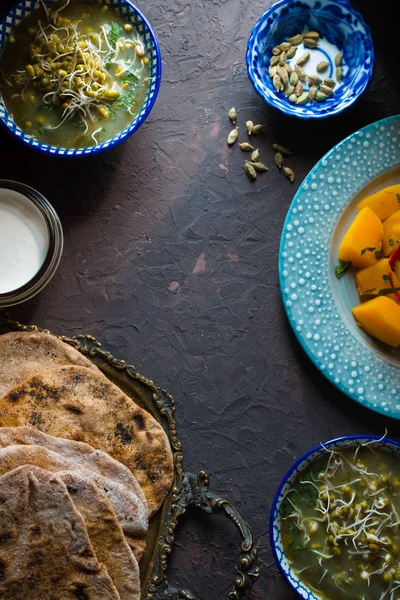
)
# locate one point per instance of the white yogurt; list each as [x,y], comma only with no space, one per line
[24,240]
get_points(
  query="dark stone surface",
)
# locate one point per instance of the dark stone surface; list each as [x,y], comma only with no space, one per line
[171,260]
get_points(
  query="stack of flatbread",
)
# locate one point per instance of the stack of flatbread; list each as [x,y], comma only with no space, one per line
[82,470]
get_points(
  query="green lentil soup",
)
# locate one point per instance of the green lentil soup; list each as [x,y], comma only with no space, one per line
[340,524]
[74,74]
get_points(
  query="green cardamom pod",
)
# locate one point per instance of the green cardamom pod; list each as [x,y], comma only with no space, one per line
[288,173]
[245,147]
[232,115]
[250,171]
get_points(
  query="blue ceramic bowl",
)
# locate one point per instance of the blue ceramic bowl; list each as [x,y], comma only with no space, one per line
[294,472]
[340,27]
[134,16]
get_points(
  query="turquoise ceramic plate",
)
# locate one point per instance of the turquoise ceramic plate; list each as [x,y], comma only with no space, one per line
[319,305]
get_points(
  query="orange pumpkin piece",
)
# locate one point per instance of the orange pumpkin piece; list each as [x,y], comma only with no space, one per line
[380,318]
[362,239]
[391,233]
[384,203]
[371,280]
[397,269]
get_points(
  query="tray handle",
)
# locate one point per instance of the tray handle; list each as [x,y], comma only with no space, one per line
[195,492]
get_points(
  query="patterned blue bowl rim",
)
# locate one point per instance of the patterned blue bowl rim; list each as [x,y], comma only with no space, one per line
[273,513]
[299,337]
[128,131]
[340,108]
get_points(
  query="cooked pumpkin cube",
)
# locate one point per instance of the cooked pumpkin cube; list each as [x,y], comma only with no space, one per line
[362,240]
[380,318]
[371,280]
[397,269]
[384,203]
[391,233]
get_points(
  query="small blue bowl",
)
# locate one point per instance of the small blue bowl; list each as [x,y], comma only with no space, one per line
[340,28]
[134,16]
[287,482]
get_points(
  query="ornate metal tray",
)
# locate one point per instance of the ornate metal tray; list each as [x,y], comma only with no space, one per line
[188,489]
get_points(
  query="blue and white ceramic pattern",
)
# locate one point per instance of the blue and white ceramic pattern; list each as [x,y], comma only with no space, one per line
[340,27]
[134,16]
[287,482]
[319,305]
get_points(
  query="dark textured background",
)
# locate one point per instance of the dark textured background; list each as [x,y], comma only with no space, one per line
[171,261]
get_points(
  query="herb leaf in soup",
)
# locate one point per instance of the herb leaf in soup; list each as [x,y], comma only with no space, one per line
[295,537]
[76,74]
[125,101]
[114,34]
[340,524]
[129,77]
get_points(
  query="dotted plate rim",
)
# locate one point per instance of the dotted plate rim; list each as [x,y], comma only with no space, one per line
[369,380]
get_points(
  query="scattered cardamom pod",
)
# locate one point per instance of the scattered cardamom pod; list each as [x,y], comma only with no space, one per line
[296,39]
[291,53]
[249,127]
[255,155]
[232,114]
[303,59]
[322,66]
[314,79]
[326,89]
[274,60]
[276,51]
[330,82]
[260,167]
[282,149]
[310,43]
[233,136]
[313,92]
[288,173]
[288,68]
[285,46]
[250,171]
[301,73]
[293,98]
[282,59]
[294,78]
[289,90]
[311,34]
[299,89]
[338,59]
[273,70]
[339,73]
[321,97]
[279,158]
[258,129]
[277,83]
[283,74]
[303,99]
[245,147]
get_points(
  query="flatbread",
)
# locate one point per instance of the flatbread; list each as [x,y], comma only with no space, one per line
[127,506]
[105,533]
[23,354]
[81,453]
[76,403]
[45,551]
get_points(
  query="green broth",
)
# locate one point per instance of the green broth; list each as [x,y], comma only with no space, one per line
[121,52]
[340,525]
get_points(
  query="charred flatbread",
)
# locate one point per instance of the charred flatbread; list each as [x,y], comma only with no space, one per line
[76,403]
[23,354]
[105,534]
[81,453]
[128,508]
[45,550]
